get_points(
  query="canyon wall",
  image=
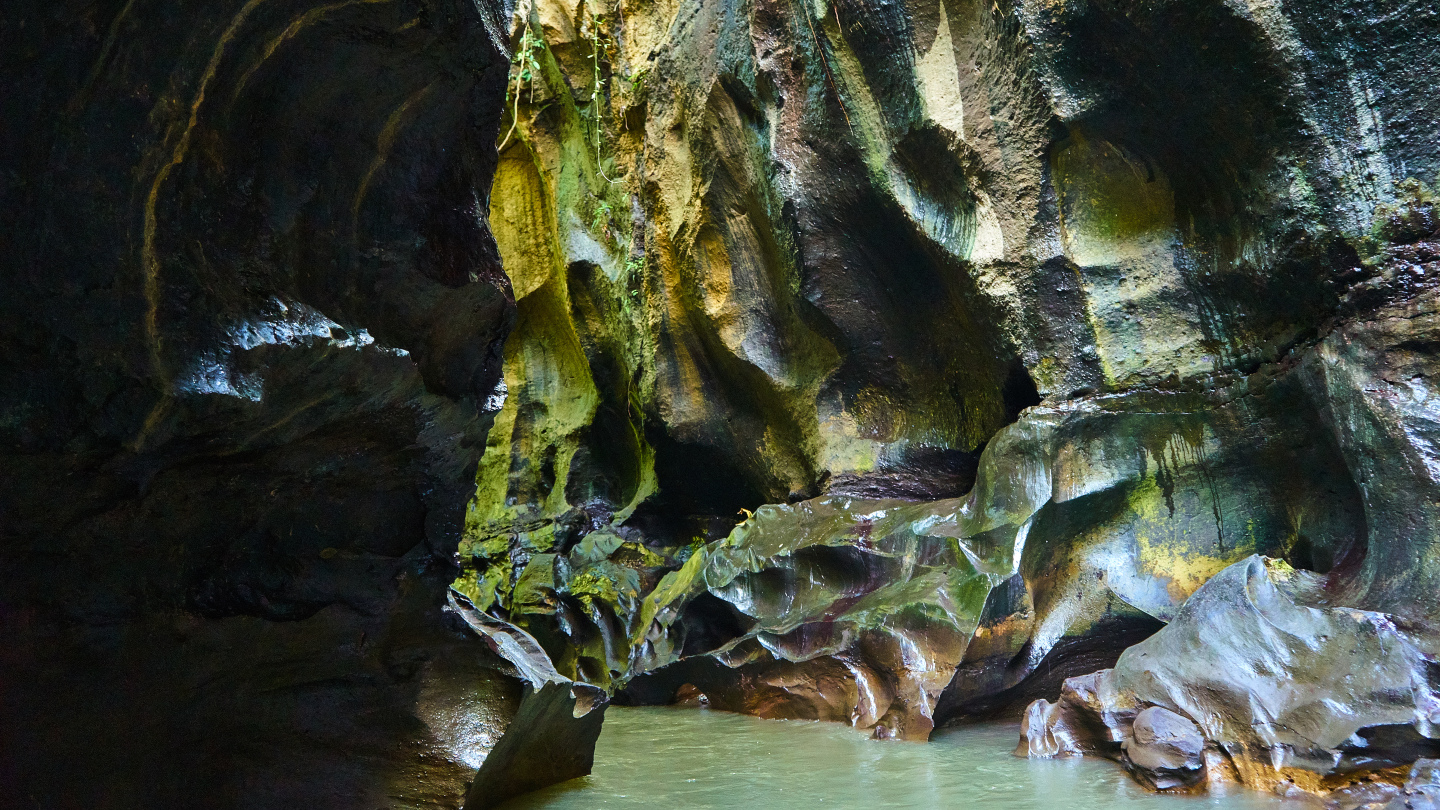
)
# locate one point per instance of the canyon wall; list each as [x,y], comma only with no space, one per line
[888,362]
[1026,319]
[251,323]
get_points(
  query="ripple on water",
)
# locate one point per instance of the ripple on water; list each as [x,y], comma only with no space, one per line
[693,758]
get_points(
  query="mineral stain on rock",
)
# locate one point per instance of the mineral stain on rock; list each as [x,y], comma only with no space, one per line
[377,376]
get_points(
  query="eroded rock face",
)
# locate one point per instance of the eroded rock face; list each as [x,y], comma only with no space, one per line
[251,317]
[1289,692]
[1089,521]
[1364,697]
[763,251]
[1026,318]
[1118,271]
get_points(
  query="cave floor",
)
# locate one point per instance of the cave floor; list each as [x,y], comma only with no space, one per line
[696,758]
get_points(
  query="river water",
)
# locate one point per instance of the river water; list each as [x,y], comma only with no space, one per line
[694,758]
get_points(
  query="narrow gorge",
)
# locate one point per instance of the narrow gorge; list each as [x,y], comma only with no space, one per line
[390,389]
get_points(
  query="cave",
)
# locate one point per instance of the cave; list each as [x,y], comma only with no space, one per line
[461,403]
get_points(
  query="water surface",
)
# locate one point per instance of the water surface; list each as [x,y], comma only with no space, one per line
[693,758]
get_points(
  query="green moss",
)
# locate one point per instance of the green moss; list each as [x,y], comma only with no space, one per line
[535,589]
[488,587]
[485,548]
[591,585]
[672,588]
[638,556]
[1412,215]
[1111,202]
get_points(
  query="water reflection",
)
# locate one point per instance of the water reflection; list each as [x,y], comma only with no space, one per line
[692,758]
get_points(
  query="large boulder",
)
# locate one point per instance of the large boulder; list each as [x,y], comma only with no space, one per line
[1258,679]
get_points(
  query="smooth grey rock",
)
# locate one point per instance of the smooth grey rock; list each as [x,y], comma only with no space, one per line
[1293,691]
[1422,788]
[1164,749]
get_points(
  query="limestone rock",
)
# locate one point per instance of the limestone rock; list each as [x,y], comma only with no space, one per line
[1295,693]
[250,319]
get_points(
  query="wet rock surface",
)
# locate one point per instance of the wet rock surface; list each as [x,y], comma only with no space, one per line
[340,710]
[250,320]
[551,738]
[1090,524]
[1164,749]
[894,364]
[1284,691]
[1028,319]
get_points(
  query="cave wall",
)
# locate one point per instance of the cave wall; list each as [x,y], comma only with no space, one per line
[1114,294]
[251,347]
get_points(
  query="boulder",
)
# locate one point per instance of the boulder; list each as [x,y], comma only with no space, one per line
[1290,693]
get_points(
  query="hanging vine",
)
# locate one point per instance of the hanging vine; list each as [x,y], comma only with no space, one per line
[525,66]
[595,30]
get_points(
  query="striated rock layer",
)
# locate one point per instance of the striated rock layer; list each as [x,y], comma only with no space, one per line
[1026,319]
[251,322]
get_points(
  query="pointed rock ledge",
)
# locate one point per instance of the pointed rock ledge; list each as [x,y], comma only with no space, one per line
[552,738]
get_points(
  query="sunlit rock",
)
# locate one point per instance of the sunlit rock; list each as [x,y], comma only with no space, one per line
[1289,692]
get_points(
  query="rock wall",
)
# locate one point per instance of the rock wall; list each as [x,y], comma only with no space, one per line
[886,362]
[771,250]
[1259,681]
[1027,319]
[251,322]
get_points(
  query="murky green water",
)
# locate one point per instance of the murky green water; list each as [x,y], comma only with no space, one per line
[692,758]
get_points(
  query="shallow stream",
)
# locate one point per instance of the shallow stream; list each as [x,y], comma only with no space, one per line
[694,758]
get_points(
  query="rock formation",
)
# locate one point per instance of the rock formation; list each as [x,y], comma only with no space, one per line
[882,361]
[250,346]
[1026,319]
[552,736]
[1257,680]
